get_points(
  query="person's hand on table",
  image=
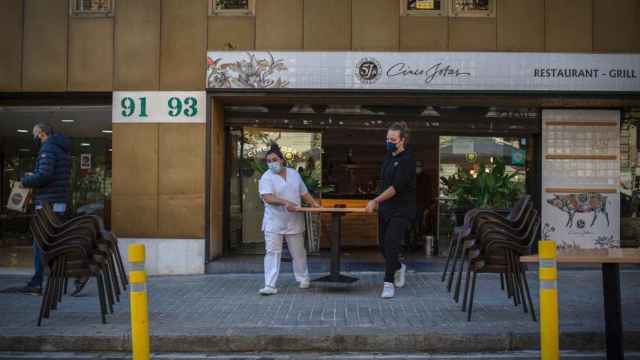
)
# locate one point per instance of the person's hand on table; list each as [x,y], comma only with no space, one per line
[292,206]
[315,205]
[371,206]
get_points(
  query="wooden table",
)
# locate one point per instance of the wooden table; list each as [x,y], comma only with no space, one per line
[610,260]
[336,238]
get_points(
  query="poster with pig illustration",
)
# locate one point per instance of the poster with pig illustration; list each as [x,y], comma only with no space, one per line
[580,178]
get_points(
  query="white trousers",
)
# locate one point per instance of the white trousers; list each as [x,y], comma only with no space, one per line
[273,244]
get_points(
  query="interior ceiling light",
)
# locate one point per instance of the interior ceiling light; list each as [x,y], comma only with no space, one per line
[348,109]
[67,121]
[302,109]
[429,111]
[107,131]
[85,144]
[247,108]
[23,131]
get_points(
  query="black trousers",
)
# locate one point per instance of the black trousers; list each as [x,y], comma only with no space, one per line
[391,232]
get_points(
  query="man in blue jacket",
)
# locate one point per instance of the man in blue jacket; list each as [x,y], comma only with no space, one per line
[50,182]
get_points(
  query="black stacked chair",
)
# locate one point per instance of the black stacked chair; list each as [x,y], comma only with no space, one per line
[104,238]
[491,242]
[498,251]
[485,221]
[469,230]
[78,248]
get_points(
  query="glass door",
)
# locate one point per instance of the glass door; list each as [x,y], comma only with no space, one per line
[302,151]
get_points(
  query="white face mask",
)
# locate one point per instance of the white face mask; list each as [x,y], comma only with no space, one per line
[275,167]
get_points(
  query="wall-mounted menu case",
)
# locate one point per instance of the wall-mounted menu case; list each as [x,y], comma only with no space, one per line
[580,178]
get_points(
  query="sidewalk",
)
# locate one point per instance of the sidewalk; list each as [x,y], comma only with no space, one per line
[224,313]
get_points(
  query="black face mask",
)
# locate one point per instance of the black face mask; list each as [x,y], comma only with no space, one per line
[36,140]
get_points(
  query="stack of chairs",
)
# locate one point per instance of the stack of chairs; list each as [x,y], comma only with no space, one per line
[78,248]
[491,242]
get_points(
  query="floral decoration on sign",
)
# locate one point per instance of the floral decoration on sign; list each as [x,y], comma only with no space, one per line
[250,73]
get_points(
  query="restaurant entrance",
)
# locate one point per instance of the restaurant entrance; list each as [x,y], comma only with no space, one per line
[338,149]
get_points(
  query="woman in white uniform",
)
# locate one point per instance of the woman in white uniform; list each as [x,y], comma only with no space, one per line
[281,189]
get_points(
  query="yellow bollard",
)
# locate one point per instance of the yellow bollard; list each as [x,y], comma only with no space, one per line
[549,323]
[138,298]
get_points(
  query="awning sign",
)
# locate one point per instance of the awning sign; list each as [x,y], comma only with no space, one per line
[447,71]
[158,107]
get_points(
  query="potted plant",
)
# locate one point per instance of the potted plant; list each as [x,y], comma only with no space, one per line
[490,187]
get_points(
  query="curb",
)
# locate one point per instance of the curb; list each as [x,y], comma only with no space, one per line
[410,342]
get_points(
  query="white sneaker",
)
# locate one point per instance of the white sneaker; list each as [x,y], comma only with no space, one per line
[388,290]
[399,276]
[304,284]
[268,290]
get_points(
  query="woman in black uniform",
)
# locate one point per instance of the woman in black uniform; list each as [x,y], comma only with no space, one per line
[396,204]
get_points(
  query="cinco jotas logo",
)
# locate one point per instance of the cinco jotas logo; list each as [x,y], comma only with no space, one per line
[368,70]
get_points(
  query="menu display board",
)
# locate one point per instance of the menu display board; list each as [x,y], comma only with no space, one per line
[580,178]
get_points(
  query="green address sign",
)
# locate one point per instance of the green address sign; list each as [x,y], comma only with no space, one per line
[129,106]
[175,106]
[159,107]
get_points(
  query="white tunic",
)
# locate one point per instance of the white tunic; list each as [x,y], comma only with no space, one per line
[276,217]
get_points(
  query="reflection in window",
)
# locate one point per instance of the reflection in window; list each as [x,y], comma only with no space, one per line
[471,5]
[91,176]
[90,183]
[473,8]
[232,4]
[424,5]
[630,179]
[467,164]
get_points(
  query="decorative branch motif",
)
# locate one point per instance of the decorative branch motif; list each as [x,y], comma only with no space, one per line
[252,73]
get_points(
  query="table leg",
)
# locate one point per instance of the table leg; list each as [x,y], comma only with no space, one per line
[436,237]
[336,235]
[612,311]
[336,239]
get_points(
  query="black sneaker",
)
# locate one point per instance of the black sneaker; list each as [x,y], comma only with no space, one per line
[10,290]
[31,290]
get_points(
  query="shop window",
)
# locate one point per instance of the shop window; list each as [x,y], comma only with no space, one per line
[424,7]
[231,7]
[92,7]
[468,162]
[471,8]
[630,179]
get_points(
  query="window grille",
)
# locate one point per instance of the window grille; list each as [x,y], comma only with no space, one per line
[231,7]
[473,8]
[92,7]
